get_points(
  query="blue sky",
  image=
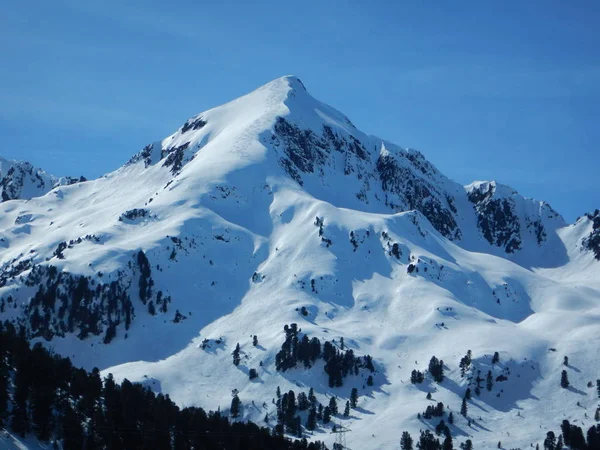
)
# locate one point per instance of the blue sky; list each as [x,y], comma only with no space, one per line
[486,90]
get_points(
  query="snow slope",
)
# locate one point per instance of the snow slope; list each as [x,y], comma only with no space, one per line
[274,202]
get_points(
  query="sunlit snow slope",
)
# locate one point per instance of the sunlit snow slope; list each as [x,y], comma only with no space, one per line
[274,202]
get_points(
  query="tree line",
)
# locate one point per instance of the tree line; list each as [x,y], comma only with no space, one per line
[44,394]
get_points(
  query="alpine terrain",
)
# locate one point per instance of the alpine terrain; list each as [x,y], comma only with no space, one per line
[272,253]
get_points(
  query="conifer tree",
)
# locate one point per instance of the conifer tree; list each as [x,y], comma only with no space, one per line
[448,444]
[489,381]
[303,402]
[451,418]
[427,441]
[333,407]
[3,387]
[436,369]
[255,340]
[406,441]
[369,380]
[467,445]
[235,406]
[311,397]
[236,355]
[72,430]
[347,409]
[468,394]
[564,379]
[463,408]
[326,415]
[496,358]
[354,398]
[311,421]
[550,441]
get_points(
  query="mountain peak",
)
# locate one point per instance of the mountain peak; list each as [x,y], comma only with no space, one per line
[21,180]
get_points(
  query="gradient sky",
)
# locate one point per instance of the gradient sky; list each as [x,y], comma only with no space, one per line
[504,90]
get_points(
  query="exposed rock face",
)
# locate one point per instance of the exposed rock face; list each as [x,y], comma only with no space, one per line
[496,219]
[406,177]
[20,180]
[398,177]
[592,241]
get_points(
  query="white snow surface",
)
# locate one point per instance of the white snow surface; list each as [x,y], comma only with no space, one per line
[236,213]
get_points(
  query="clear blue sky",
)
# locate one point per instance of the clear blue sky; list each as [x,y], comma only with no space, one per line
[505,90]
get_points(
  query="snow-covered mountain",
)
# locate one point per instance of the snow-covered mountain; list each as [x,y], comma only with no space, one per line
[20,180]
[275,209]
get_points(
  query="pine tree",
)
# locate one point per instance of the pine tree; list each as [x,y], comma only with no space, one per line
[298,427]
[3,387]
[20,416]
[550,441]
[559,443]
[566,361]
[303,403]
[428,396]
[235,406]
[326,415]
[236,355]
[255,340]
[72,430]
[566,431]
[463,408]
[440,427]
[448,444]
[278,392]
[311,421]
[427,441]
[593,437]
[465,362]
[406,441]
[347,409]
[564,379]
[598,387]
[451,418]
[436,369]
[489,381]
[467,445]
[370,381]
[354,398]
[496,358]
[311,397]
[333,406]
[416,376]
[468,394]
[597,414]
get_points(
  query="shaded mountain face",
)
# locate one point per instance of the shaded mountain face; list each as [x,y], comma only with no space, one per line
[20,180]
[275,209]
[592,241]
